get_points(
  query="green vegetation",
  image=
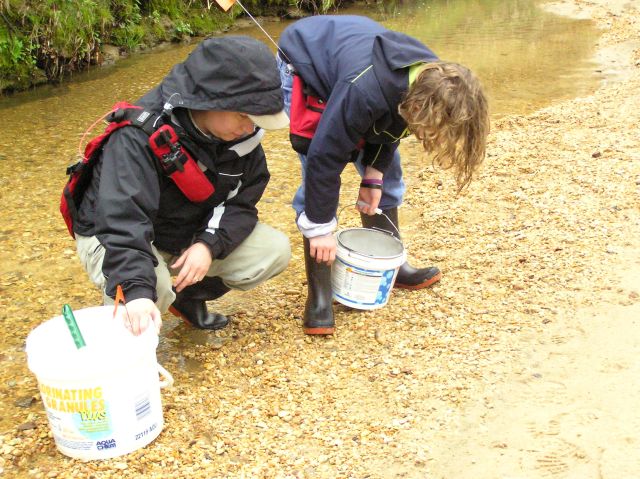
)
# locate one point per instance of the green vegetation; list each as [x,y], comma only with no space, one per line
[46,40]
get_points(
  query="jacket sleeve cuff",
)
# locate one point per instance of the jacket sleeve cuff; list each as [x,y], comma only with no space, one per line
[212,243]
[309,229]
[137,292]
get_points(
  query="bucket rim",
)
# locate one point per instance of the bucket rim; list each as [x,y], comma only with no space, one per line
[60,360]
[391,257]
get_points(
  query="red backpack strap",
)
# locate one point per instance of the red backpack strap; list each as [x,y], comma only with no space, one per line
[121,114]
[174,159]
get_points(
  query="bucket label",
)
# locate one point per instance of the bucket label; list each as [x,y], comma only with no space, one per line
[361,286]
[85,407]
[106,444]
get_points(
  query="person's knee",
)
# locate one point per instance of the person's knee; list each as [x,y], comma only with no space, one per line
[271,259]
[164,284]
[281,251]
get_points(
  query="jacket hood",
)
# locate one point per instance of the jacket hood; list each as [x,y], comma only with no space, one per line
[396,50]
[231,73]
[392,53]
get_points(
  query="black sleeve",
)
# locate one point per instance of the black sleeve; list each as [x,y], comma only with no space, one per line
[233,220]
[127,202]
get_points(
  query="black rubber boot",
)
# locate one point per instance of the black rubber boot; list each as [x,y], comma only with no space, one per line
[190,303]
[408,276]
[318,312]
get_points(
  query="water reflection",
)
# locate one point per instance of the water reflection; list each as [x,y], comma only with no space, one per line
[525,57]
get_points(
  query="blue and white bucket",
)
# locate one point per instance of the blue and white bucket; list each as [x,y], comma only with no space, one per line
[366,266]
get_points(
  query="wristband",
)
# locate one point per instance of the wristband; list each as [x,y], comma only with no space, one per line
[372,181]
[372,186]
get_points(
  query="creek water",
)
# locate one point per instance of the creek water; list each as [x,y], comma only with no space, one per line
[525,57]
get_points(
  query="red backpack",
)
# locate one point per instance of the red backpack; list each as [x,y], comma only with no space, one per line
[304,117]
[173,158]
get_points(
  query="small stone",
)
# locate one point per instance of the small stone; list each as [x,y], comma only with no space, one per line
[26,401]
[596,154]
[26,426]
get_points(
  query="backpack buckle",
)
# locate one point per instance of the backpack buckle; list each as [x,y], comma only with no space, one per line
[71,169]
[173,161]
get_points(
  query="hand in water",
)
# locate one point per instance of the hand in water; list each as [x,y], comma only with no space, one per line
[139,314]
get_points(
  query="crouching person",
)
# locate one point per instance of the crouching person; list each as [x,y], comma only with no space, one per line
[177,195]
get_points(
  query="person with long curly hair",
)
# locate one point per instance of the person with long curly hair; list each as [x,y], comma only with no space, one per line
[353,89]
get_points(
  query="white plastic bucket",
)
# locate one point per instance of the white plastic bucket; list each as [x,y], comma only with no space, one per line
[102,400]
[366,266]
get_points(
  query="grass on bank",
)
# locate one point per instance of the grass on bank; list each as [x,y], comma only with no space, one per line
[46,40]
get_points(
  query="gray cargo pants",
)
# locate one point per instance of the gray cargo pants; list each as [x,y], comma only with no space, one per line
[262,255]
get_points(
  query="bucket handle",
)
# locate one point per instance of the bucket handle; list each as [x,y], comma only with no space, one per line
[167,382]
[378,212]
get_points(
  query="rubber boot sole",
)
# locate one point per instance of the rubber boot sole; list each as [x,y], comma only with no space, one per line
[319,331]
[424,284]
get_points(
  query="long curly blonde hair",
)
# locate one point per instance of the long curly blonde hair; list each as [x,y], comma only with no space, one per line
[446,109]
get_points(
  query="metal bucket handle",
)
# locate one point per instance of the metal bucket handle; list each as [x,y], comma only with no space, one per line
[378,212]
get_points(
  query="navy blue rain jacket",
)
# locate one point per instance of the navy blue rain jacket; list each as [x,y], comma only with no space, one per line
[361,69]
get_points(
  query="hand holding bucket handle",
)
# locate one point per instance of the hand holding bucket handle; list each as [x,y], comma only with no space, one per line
[378,212]
[167,382]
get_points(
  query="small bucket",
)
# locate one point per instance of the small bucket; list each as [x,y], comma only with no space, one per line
[102,400]
[366,266]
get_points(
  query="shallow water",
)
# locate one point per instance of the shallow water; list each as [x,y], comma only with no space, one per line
[525,57]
